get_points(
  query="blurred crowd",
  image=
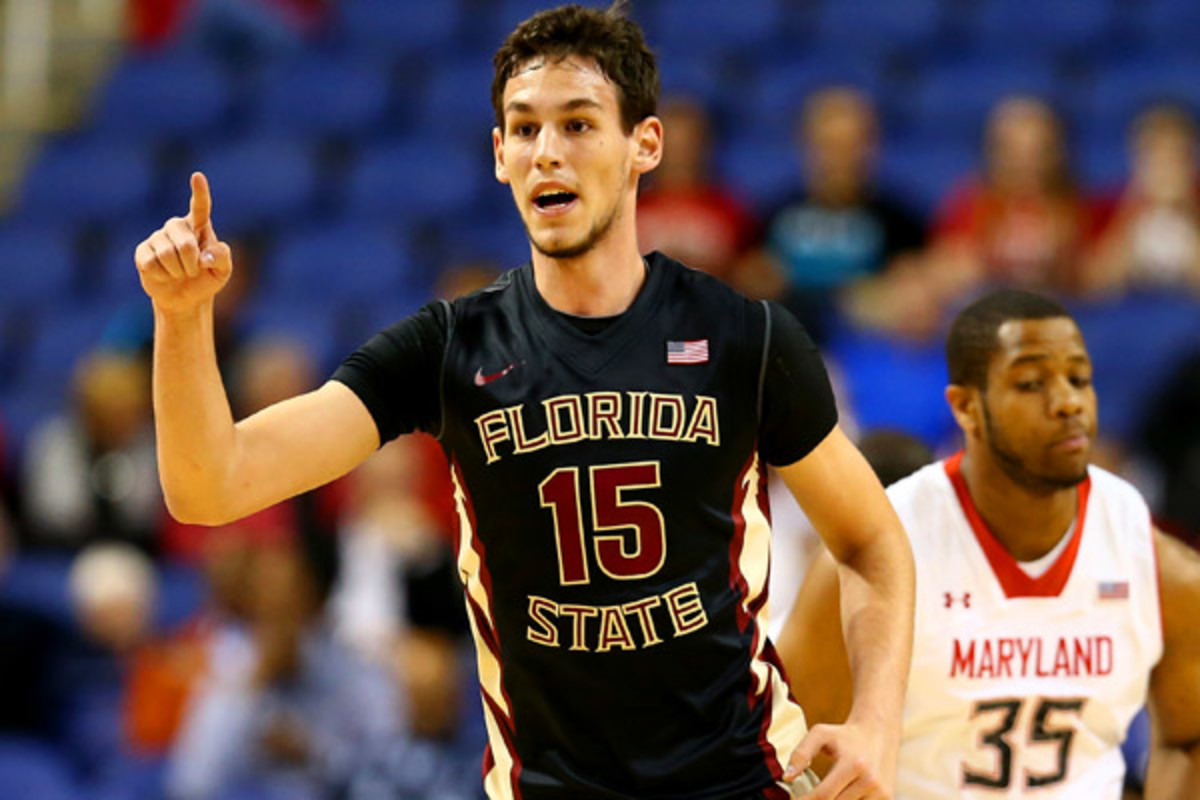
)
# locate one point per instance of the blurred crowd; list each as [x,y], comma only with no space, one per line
[323,650]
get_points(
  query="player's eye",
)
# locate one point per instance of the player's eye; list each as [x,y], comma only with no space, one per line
[578,126]
[1081,381]
[522,130]
[1029,386]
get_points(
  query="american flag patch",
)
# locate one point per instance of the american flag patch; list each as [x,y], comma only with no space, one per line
[1114,590]
[690,352]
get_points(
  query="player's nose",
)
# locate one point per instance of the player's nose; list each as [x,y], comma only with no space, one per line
[547,148]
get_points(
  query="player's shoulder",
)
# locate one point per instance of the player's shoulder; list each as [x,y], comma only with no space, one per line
[925,486]
[1111,490]
[694,282]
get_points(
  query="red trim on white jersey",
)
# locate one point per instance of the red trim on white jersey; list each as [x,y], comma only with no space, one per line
[1013,580]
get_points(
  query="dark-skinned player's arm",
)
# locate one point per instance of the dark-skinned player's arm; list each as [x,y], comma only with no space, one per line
[875,574]
[213,470]
[1175,681]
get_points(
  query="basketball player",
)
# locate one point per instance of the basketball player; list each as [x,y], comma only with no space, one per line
[1048,606]
[607,419]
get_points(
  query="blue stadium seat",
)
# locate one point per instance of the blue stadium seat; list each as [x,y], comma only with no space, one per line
[29,769]
[771,103]
[1166,325]
[760,168]
[956,96]
[255,181]
[322,96]
[36,264]
[111,276]
[879,25]
[335,263]
[1101,160]
[416,180]
[39,582]
[23,406]
[914,376]
[1060,26]
[89,181]
[389,28]
[1168,23]
[713,27]
[309,322]
[498,238]
[456,101]
[181,94]
[922,172]
[66,332]
[693,76]
[1119,90]
[181,592]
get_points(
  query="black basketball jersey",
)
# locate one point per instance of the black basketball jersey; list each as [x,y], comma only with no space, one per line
[614,534]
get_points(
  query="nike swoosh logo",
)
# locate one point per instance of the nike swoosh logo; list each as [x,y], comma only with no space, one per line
[484,380]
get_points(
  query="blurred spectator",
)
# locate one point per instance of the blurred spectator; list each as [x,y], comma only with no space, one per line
[90,474]
[165,670]
[682,212]
[1149,234]
[286,708]
[1170,437]
[239,29]
[113,591]
[399,598]
[456,280]
[1019,222]
[265,371]
[840,230]
[34,643]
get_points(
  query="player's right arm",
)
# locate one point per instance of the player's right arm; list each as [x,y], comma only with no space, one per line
[1175,682]
[212,469]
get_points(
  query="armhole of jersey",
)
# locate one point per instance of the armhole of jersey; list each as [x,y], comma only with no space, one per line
[442,369]
[766,351]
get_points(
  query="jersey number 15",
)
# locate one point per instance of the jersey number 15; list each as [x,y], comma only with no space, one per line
[618,554]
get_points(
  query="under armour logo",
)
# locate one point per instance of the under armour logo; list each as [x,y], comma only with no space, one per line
[964,598]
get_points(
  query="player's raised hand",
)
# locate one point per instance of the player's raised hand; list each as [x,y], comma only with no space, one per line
[183,264]
[864,762]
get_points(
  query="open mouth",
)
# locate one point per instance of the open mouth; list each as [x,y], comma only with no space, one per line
[554,200]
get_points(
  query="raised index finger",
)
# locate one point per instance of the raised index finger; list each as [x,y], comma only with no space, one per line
[201,204]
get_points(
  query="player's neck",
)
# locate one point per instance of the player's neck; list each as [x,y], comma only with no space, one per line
[1027,523]
[602,282]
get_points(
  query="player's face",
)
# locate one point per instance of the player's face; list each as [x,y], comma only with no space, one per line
[1039,408]
[563,151]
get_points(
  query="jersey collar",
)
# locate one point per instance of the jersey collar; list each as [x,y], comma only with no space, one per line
[1013,580]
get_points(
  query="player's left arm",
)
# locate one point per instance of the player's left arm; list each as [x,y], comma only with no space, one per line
[846,503]
[1175,682]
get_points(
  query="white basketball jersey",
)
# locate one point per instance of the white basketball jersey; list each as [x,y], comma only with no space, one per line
[1020,686]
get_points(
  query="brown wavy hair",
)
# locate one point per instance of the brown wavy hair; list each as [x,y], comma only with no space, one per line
[609,37]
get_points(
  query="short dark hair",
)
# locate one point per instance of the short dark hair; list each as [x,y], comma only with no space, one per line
[893,454]
[973,335]
[609,38]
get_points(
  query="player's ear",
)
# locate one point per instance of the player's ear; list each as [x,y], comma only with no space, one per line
[964,405]
[648,136]
[498,152]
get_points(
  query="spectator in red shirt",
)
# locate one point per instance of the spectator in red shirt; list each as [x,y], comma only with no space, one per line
[683,212]
[1148,234]
[1020,221]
